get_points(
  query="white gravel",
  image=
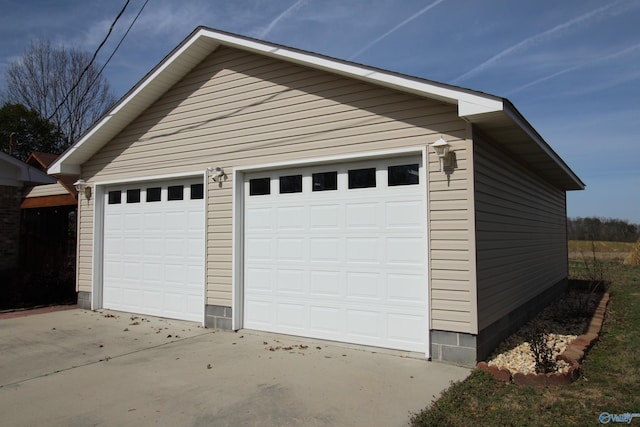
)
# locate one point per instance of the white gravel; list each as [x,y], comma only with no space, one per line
[563,325]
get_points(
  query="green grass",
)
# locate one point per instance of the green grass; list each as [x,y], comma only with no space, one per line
[610,380]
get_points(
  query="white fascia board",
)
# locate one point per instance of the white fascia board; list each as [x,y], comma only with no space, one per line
[468,106]
[65,164]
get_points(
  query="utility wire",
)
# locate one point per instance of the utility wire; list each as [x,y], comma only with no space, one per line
[113,53]
[95,54]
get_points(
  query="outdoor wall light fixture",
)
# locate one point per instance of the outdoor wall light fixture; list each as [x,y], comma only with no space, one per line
[217,173]
[82,187]
[441,148]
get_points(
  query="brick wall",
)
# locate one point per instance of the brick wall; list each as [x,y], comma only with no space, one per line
[9,226]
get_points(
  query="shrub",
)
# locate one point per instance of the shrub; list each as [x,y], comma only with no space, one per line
[538,337]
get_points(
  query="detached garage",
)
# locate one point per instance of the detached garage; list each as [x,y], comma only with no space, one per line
[243,184]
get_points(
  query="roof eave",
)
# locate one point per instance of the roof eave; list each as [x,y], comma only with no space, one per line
[509,128]
[473,106]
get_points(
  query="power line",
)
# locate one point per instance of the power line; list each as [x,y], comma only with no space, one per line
[95,54]
[113,53]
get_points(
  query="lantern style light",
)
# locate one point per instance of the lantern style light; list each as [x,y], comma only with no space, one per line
[82,187]
[442,150]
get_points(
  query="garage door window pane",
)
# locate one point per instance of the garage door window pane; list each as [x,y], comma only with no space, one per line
[197,191]
[291,184]
[175,192]
[133,196]
[153,194]
[403,175]
[114,197]
[325,181]
[259,186]
[362,178]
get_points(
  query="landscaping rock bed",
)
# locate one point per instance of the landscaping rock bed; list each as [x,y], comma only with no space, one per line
[571,324]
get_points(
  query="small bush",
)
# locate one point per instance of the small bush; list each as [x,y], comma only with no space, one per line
[538,337]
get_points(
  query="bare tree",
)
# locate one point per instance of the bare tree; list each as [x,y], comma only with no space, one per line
[61,85]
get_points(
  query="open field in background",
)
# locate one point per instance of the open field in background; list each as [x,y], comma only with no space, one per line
[610,380]
[580,249]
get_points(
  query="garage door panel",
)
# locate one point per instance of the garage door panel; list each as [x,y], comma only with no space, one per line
[259,313]
[259,219]
[132,245]
[406,289]
[259,279]
[259,249]
[342,264]
[324,217]
[405,250]
[404,328]
[292,218]
[291,316]
[364,286]
[154,253]
[325,284]
[325,320]
[403,214]
[364,324]
[362,215]
[363,250]
[325,249]
[291,281]
[153,221]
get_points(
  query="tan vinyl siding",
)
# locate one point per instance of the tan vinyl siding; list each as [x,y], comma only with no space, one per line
[47,190]
[451,238]
[521,233]
[85,244]
[238,109]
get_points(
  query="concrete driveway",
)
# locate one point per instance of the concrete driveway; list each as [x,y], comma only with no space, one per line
[83,368]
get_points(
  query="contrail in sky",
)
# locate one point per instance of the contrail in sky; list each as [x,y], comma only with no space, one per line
[297,5]
[568,70]
[533,39]
[400,25]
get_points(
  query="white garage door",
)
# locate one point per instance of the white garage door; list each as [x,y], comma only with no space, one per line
[154,249]
[338,252]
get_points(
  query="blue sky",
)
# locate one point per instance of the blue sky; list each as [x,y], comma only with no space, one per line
[571,67]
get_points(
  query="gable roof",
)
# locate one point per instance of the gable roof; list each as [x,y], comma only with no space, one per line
[38,158]
[495,116]
[15,173]
[42,161]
